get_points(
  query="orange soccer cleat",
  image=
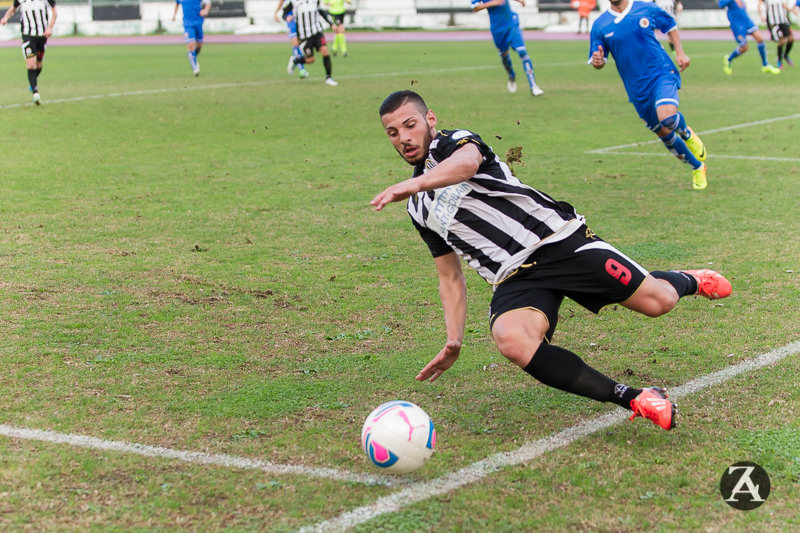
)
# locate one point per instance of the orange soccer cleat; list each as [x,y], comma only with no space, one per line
[710,284]
[652,403]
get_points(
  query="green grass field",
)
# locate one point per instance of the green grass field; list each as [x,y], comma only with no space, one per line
[192,263]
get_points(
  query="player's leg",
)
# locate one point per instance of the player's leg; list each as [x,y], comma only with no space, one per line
[326,61]
[762,51]
[741,47]
[519,45]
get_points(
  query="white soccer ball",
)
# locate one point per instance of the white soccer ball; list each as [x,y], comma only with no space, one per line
[398,436]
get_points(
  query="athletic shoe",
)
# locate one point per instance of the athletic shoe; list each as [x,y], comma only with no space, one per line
[652,403]
[291,66]
[696,145]
[699,181]
[536,90]
[303,73]
[789,61]
[344,54]
[37,99]
[779,64]
[710,284]
[727,68]
[769,69]
[331,82]
[196,71]
[512,86]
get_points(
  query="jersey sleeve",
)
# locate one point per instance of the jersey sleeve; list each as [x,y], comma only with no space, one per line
[723,3]
[596,40]
[52,3]
[16,3]
[436,244]
[663,20]
[450,141]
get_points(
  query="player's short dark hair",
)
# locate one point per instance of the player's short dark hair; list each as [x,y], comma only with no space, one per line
[399,98]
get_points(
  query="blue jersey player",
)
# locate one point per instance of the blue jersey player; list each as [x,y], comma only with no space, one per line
[194,13]
[627,31]
[291,23]
[506,34]
[742,26]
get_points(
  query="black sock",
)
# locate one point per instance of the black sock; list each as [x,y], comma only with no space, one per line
[562,369]
[684,283]
[787,49]
[32,79]
[780,52]
[326,60]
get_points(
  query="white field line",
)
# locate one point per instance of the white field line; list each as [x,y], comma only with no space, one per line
[429,489]
[614,149]
[229,461]
[710,156]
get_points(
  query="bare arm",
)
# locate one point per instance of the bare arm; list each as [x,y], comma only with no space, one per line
[11,11]
[277,10]
[453,293]
[48,31]
[459,167]
[680,55]
[206,8]
[175,12]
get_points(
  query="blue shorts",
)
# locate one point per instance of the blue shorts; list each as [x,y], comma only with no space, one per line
[665,92]
[741,31]
[193,31]
[505,38]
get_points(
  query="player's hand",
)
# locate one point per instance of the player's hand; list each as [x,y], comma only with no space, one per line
[683,61]
[48,32]
[395,193]
[598,57]
[443,360]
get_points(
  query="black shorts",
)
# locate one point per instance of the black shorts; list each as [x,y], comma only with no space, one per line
[315,42]
[583,267]
[338,18]
[33,46]
[779,31]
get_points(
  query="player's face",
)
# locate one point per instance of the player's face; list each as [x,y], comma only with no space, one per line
[410,131]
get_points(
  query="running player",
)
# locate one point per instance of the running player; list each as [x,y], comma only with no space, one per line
[467,206]
[37,18]
[507,34]
[291,24]
[310,35]
[777,19]
[337,11]
[194,14]
[742,26]
[627,31]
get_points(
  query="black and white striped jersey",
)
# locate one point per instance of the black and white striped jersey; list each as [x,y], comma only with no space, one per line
[306,13]
[34,15]
[776,12]
[492,220]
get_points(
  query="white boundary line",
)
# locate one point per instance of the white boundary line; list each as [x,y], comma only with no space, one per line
[192,457]
[476,471]
[711,156]
[613,149]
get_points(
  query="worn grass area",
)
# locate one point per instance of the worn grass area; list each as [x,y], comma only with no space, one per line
[196,266]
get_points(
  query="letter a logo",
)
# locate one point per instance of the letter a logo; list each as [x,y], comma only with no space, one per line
[744,486]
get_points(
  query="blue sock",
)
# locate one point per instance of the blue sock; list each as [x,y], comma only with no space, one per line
[527,65]
[762,51]
[736,53]
[677,124]
[508,66]
[296,51]
[192,59]
[679,149]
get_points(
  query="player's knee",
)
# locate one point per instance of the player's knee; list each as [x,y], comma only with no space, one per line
[661,302]
[743,48]
[516,344]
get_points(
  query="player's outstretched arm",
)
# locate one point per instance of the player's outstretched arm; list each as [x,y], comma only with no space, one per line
[460,166]
[477,5]
[11,11]
[453,293]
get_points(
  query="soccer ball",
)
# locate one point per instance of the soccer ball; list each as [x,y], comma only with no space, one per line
[398,437]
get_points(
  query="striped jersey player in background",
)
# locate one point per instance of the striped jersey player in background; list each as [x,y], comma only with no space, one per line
[194,14]
[780,30]
[467,205]
[308,17]
[37,18]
